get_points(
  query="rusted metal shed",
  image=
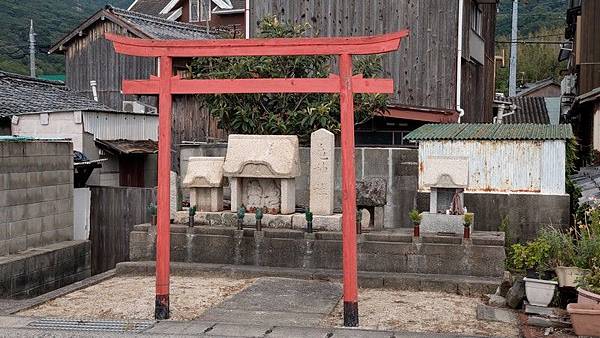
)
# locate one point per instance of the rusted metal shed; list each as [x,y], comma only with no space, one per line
[499,157]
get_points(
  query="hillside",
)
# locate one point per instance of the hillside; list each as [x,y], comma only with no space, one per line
[52,19]
[534,15]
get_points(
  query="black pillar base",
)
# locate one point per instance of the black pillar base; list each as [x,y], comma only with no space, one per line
[351,314]
[161,308]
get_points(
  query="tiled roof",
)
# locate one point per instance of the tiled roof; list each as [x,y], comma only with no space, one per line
[157,28]
[22,94]
[529,110]
[484,131]
[150,7]
[128,147]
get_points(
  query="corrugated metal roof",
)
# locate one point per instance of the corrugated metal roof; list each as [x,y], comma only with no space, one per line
[484,131]
[530,109]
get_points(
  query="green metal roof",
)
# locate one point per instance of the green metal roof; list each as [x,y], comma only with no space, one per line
[486,131]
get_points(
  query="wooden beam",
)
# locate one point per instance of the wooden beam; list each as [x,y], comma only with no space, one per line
[361,45]
[249,86]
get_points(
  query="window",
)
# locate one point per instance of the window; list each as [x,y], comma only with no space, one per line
[476,18]
[194,10]
[200,10]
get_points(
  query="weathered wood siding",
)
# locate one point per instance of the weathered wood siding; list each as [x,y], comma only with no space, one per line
[423,69]
[478,86]
[113,213]
[589,76]
[92,57]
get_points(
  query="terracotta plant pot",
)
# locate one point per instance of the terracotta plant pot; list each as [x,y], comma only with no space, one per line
[567,275]
[539,292]
[587,297]
[585,319]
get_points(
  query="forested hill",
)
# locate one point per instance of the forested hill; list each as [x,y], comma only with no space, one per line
[52,19]
[534,15]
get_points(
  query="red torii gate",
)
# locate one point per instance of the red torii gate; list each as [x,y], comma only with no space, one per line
[166,85]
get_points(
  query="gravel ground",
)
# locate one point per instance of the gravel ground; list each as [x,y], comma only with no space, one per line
[132,297]
[421,312]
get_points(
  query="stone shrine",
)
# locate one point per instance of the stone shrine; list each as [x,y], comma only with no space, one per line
[322,155]
[262,171]
[446,177]
[204,178]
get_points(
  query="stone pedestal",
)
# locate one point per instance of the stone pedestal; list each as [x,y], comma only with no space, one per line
[204,177]
[262,171]
[322,150]
[434,223]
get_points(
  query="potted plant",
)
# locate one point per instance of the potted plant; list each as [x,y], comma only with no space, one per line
[468,221]
[415,218]
[589,287]
[534,258]
[585,314]
[562,254]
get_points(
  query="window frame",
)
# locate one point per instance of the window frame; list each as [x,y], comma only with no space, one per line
[476,19]
[197,17]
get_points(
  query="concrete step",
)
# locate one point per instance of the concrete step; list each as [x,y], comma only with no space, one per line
[463,285]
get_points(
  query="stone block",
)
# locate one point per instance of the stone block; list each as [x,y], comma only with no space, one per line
[17,181]
[376,162]
[34,179]
[64,191]
[3,181]
[206,198]
[17,244]
[48,237]
[63,220]
[50,193]
[489,313]
[34,195]
[16,197]
[320,222]
[262,156]
[371,192]
[17,229]
[204,172]
[65,234]
[435,223]
[34,226]
[34,240]
[322,172]
[445,172]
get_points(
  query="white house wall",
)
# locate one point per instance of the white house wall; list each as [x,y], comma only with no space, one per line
[60,125]
[114,126]
[504,166]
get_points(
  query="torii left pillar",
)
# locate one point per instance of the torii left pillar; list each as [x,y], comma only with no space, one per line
[163,238]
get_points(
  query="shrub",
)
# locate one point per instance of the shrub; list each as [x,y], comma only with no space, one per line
[591,281]
[469,219]
[562,250]
[534,255]
[588,253]
[415,216]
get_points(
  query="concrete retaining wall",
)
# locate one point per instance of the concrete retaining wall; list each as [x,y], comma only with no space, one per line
[525,213]
[380,252]
[34,272]
[36,194]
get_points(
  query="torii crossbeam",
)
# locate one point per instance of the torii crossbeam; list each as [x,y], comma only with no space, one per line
[166,85]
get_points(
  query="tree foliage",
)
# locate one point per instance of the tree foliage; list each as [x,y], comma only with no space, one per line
[287,114]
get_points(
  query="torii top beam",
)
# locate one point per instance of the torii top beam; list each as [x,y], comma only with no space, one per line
[361,45]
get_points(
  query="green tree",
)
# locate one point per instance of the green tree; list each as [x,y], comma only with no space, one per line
[534,61]
[297,114]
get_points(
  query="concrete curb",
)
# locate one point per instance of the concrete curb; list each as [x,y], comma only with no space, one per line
[462,285]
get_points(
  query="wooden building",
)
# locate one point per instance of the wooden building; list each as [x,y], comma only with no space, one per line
[425,67]
[583,101]
[90,57]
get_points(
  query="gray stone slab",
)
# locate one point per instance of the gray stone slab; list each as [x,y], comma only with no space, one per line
[358,333]
[179,328]
[299,332]
[278,301]
[485,312]
[236,330]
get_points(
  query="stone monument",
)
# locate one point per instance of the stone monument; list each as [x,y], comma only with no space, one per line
[262,171]
[322,155]
[447,178]
[204,178]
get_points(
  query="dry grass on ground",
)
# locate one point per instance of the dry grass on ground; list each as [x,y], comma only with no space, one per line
[421,312]
[132,297]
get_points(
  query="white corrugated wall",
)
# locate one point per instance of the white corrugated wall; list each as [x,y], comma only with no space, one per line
[114,126]
[504,166]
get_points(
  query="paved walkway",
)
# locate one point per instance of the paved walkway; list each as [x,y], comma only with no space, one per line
[278,301]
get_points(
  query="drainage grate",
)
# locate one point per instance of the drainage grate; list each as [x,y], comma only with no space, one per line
[118,326]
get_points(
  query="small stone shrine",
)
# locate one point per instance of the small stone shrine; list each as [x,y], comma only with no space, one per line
[262,171]
[446,177]
[204,178]
[322,155]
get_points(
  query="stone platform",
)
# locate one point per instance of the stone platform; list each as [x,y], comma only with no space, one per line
[385,251]
[293,221]
[43,269]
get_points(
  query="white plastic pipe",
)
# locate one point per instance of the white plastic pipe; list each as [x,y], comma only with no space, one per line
[461,111]
[247,19]
[94,90]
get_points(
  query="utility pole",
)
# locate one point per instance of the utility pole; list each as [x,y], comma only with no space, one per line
[31,50]
[512,77]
